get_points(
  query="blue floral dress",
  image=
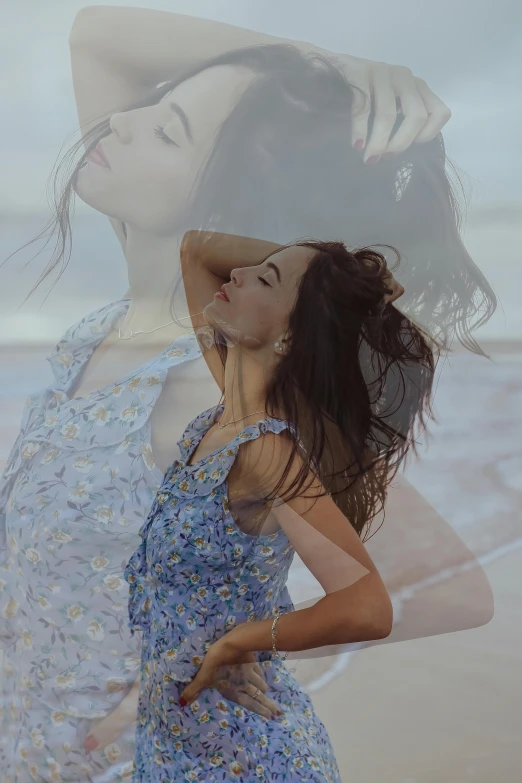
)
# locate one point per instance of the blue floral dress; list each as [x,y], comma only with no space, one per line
[77,486]
[195,576]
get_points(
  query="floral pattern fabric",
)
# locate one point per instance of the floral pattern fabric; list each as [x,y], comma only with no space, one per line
[77,486]
[194,576]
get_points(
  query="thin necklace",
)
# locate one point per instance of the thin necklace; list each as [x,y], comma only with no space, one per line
[222,426]
[143,331]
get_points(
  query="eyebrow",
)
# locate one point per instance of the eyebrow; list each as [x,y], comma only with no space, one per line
[176,108]
[276,270]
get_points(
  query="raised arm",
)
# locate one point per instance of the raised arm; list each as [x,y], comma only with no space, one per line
[118,56]
[207,259]
[146,46]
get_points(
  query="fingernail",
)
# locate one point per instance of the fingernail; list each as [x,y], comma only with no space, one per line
[279,712]
[373,159]
[90,743]
[183,702]
[273,716]
[359,144]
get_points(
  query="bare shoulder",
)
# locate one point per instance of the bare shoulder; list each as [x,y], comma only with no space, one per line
[273,460]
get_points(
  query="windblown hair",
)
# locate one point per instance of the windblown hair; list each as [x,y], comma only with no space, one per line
[354,382]
[282,166]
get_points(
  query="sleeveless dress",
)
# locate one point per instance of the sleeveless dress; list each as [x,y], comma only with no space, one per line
[77,486]
[195,576]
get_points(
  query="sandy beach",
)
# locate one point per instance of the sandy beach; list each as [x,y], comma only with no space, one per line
[447,707]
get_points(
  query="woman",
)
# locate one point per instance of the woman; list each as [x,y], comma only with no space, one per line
[207,583]
[93,446]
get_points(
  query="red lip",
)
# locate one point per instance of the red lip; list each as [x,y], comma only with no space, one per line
[222,293]
[98,156]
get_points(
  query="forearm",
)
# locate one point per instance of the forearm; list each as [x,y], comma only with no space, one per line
[220,253]
[327,622]
[461,603]
[152,46]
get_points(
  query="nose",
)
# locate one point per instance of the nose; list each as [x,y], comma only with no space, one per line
[120,125]
[237,276]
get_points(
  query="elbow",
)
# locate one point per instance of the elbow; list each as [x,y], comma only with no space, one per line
[86,22]
[194,246]
[81,24]
[373,622]
[186,249]
[382,621]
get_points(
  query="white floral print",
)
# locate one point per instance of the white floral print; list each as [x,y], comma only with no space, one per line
[78,483]
[194,576]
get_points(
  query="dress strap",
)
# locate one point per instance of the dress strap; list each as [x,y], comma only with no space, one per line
[196,429]
[206,474]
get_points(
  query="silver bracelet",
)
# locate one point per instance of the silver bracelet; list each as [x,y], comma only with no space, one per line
[282,657]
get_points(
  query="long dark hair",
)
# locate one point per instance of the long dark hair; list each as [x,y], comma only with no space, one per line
[282,166]
[354,383]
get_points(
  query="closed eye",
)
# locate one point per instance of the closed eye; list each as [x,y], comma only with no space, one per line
[163,136]
[264,281]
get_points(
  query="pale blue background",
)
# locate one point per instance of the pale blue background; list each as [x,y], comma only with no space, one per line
[469,52]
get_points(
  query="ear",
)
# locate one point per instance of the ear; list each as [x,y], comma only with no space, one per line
[280,345]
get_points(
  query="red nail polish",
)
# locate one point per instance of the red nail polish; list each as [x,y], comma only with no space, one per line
[183,702]
[90,744]
[359,144]
[272,716]
[373,159]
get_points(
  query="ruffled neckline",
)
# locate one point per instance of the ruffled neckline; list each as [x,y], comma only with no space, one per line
[108,416]
[79,342]
[207,473]
[197,429]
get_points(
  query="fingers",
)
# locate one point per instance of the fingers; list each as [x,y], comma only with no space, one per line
[261,704]
[383,97]
[360,112]
[424,114]
[254,705]
[239,676]
[263,699]
[253,678]
[438,113]
[413,108]
[107,731]
[241,682]
[239,696]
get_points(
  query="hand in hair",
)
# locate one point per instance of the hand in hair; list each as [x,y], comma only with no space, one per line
[390,91]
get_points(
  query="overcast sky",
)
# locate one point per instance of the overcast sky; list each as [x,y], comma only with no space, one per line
[468,51]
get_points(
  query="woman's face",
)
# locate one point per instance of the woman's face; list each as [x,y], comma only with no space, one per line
[154,154]
[260,299]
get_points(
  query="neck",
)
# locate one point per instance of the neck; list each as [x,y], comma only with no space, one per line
[154,272]
[246,377]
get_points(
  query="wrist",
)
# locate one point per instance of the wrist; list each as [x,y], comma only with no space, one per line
[252,636]
[249,637]
[238,637]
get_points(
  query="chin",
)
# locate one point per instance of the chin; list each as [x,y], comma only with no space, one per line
[92,195]
[230,334]
[213,316]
